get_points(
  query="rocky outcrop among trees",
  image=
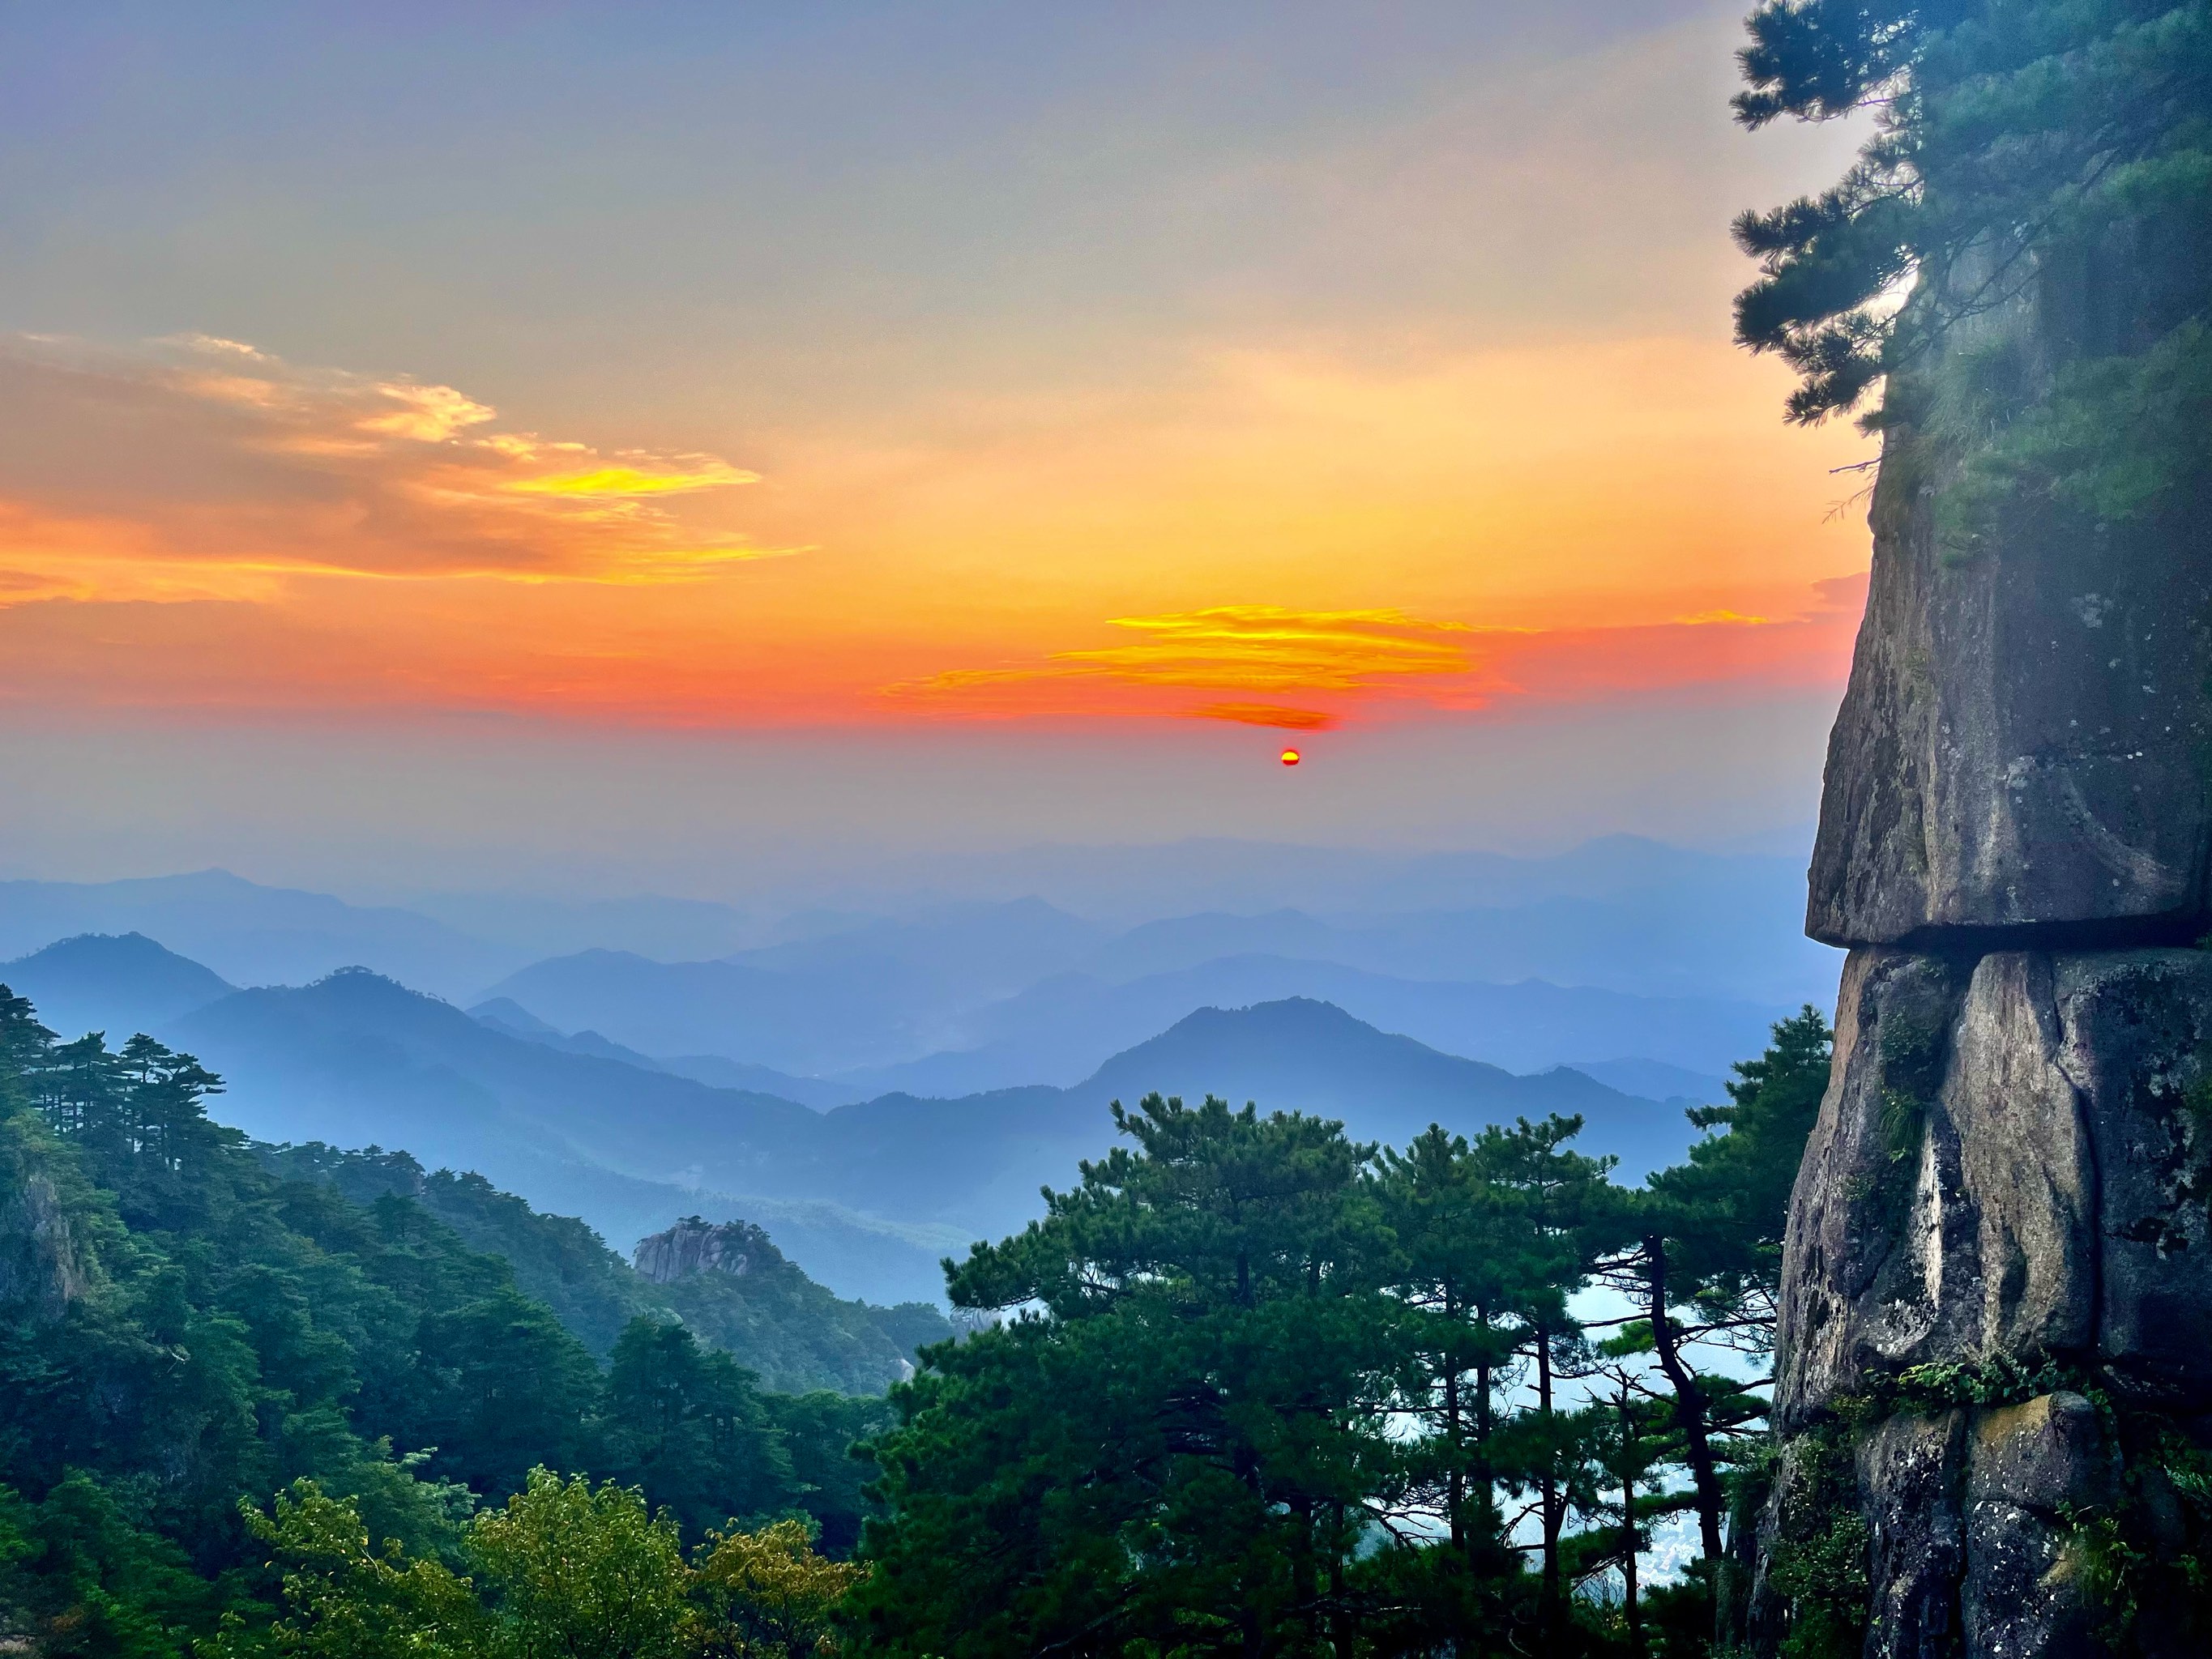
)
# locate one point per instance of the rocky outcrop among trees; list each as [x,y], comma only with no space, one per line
[1993,1379]
[696,1246]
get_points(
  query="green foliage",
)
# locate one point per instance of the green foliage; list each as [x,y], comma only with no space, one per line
[689,1427]
[1699,1251]
[1726,1207]
[184,1325]
[789,1331]
[2000,1380]
[821,1433]
[2147,1560]
[1169,1454]
[346,1599]
[795,1334]
[583,1571]
[2051,157]
[1269,1391]
[1819,1564]
[1262,1390]
[768,1596]
[564,1569]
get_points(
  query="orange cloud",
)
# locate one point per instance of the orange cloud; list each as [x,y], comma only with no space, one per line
[201,525]
[1241,648]
[1265,713]
[1352,657]
[232,468]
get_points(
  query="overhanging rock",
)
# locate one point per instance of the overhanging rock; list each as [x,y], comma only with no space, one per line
[2025,743]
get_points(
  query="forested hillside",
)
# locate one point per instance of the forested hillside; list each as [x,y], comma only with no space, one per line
[1265,1388]
[782,1325]
[188,1322]
[1281,1393]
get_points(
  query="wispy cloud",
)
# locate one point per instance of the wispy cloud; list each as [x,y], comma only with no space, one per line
[1345,659]
[210,467]
[1264,714]
[1256,648]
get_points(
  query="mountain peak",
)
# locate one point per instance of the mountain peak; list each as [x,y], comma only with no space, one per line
[111,981]
[695,1246]
[1297,1053]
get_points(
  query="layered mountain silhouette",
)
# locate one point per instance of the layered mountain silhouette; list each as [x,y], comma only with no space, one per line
[119,983]
[879,1092]
[1301,1056]
[872,1021]
[1062,1029]
[251,934]
[882,1186]
[1034,966]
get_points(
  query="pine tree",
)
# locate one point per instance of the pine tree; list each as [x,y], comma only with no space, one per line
[1175,1451]
[2050,153]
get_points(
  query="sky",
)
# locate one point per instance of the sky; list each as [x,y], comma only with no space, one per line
[607,445]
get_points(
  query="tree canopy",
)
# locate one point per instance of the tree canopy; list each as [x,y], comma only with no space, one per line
[1259,1389]
[187,1323]
[1248,1387]
[2021,256]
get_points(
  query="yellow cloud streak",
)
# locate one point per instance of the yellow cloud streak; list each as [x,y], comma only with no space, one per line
[1246,647]
[631,482]
[1264,713]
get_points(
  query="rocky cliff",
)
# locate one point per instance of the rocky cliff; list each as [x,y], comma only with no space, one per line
[695,1246]
[1993,1382]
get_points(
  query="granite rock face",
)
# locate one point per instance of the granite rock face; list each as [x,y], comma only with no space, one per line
[2024,753]
[2024,743]
[2009,1188]
[1907,1472]
[1993,1370]
[42,1269]
[694,1246]
[2009,1166]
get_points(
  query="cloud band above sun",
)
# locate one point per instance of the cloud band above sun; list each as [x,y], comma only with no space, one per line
[1262,649]
[1371,662]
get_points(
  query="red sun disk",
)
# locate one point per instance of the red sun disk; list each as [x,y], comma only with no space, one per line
[1289,757]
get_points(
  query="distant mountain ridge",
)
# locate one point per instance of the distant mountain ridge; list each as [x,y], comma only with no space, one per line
[356,1058]
[93,981]
[972,988]
[504,1014]
[251,934]
[1301,1056]
[1128,885]
[868,1194]
[1061,1030]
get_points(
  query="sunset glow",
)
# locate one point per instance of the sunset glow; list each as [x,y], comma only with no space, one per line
[1370,389]
[351,541]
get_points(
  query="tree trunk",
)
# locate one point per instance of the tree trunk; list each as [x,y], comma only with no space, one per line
[1486,1481]
[1689,1406]
[1456,1478]
[1628,1537]
[1549,1491]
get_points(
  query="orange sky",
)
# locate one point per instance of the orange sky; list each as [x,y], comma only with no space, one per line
[1298,536]
[530,436]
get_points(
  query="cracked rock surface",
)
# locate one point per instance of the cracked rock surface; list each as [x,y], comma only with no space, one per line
[2023,746]
[2008,1181]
